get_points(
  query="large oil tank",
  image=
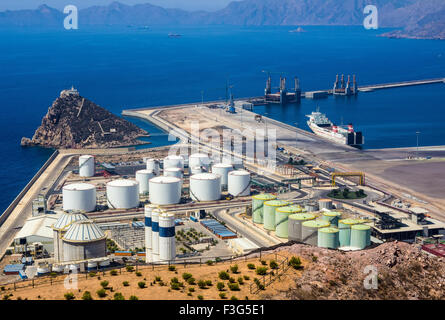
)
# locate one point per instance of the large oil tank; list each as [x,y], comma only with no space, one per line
[281,219]
[86,166]
[59,229]
[148,208]
[332,217]
[83,240]
[223,170]
[155,235]
[311,207]
[295,224]
[328,237]
[123,194]
[195,170]
[165,190]
[269,212]
[325,204]
[167,248]
[258,206]
[152,165]
[79,197]
[199,160]
[205,187]
[309,231]
[143,176]
[174,161]
[239,183]
[360,236]
[344,226]
[173,172]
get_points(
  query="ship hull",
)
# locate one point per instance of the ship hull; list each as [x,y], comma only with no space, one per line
[332,136]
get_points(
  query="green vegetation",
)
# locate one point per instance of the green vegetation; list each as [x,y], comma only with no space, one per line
[202,284]
[273,264]
[174,286]
[233,298]
[111,246]
[101,293]
[264,262]
[209,283]
[251,266]
[261,271]
[220,286]
[104,284]
[223,275]
[246,277]
[141,284]
[232,280]
[240,280]
[113,272]
[234,268]
[222,295]
[134,298]
[92,274]
[171,268]
[69,296]
[200,297]
[118,296]
[209,262]
[347,194]
[125,283]
[295,262]
[139,274]
[191,281]
[234,286]
[87,296]
[192,289]
[129,268]
[186,276]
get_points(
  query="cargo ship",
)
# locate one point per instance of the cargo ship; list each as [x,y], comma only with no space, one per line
[323,127]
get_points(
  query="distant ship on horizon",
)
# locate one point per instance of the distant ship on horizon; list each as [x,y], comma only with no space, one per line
[323,127]
[174,35]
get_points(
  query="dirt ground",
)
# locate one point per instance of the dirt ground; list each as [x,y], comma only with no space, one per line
[153,290]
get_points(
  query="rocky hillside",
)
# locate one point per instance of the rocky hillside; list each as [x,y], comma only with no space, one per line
[75,122]
[415,18]
[404,272]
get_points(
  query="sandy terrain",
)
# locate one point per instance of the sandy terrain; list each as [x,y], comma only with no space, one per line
[56,291]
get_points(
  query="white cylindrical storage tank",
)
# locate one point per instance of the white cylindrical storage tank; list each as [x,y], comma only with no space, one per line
[205,187]
[42,269]
[123,194]
[223,170]
[155,235]
[143,176]
[325,204]
[79,197]
[152,165]
[74,267]
[195,170]
[239,183]
[165,190]
[147,211]
[91,265]
[199,160]
[173,161]
[57,268]
[167,248]
[173,172]
[86,166]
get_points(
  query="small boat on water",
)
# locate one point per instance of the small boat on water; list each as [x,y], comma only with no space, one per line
[174,35]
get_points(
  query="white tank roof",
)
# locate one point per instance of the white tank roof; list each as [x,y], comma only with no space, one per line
[205,176]
[222,165]
[164,179]
[79,186]
[144,171]
[174,157]
[83,231]
[122,183]
[199,155]
[85,157]
[68,218]
[239,173]
[173,169]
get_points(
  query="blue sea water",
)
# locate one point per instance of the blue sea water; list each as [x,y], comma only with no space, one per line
[122,67]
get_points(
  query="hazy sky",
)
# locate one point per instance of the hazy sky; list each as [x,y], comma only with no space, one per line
[183,4]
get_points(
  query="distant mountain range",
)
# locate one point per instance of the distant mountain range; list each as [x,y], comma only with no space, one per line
[413,18]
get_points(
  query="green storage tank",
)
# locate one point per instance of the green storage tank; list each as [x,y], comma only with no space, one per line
[344,226]
[294,225]
[332,217]
[281,220]
[360,236]
[269,212]
[328,237]
[309,231]
[258,205]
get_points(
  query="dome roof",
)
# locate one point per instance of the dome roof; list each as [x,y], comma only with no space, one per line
[83,231]
[68,218]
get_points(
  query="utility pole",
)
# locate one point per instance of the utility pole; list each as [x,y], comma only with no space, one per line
[417,148]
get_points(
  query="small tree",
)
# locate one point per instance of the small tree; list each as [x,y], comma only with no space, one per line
[172,268]
[141,284]
[220,286]
[234,268]
[118,296]
[234,286]
[240,280]
[200,297]
[295,262]
[222,295]
[101,293]
[125,283]
[69,296]
[223,275]
[129,268]
[273,264]
[134,298]
[113,272]
[87,296]
[251,266]
[104,284]
[202,284]
[261,271]
[191,281]
[186,276]
[209,283]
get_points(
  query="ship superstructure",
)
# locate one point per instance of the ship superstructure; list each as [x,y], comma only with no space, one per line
[322,126]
